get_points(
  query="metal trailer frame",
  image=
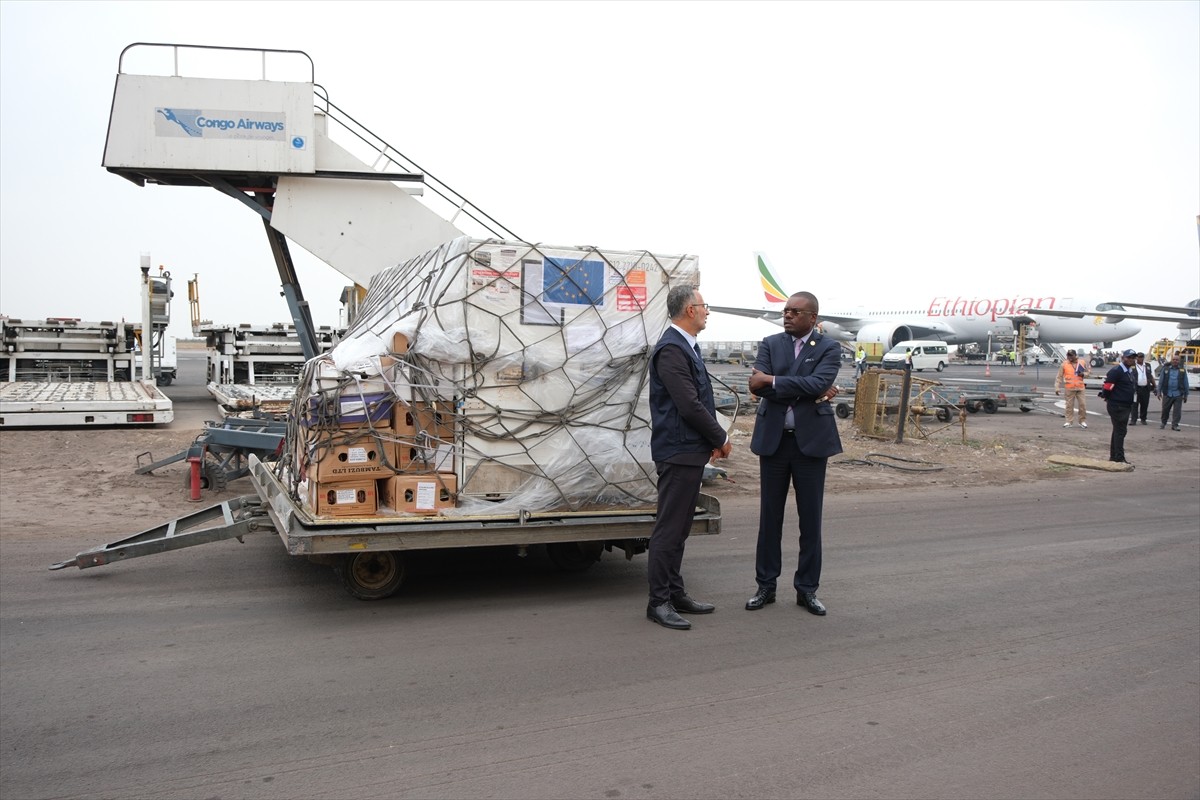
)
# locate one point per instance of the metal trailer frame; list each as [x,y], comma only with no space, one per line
[367,553]
[221,452]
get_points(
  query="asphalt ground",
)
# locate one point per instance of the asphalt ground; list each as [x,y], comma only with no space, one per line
[978,644]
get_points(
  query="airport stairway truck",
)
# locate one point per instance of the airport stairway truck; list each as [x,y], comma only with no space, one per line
[491,392]
[65,372]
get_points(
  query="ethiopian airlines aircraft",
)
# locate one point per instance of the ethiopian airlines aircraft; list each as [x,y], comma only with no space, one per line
[954,318]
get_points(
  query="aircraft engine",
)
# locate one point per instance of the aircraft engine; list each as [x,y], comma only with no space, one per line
[835,331]
[885,334]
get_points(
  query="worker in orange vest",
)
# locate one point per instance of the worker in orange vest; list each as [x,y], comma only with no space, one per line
[1069,383]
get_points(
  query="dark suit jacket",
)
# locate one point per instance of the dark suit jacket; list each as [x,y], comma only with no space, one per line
[800,381]
[684,428]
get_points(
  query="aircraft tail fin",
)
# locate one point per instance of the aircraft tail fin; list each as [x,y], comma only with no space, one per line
[771,287]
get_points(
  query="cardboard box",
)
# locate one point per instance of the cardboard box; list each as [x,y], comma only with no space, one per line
[428,455]
[355,454]
[349,499]
[419,494]
[433,419]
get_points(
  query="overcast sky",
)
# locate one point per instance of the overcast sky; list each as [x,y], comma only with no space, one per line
[880,153]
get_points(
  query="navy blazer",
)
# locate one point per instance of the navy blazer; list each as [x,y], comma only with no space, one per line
[799,381]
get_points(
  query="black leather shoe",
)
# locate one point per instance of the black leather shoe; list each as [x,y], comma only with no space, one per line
[762,597]
[665,615]
[810,602]
[689,606]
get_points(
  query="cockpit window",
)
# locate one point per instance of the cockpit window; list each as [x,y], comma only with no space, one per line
[1110,307]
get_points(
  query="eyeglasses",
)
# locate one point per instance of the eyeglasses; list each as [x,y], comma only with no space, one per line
[699,305]
[797,312]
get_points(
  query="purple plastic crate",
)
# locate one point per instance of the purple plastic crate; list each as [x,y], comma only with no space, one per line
[330,410]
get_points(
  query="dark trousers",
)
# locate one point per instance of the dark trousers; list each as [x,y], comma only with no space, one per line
[1119,413]
[1141,404]
[1174,407]
[807,476]
[678,491]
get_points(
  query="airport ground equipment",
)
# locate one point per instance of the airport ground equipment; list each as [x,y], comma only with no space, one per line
[89,403]
[369,555]
[266,357]
[274,141]
[878,403]
[883,398]
[221,452]
[1187,349]
[68,372]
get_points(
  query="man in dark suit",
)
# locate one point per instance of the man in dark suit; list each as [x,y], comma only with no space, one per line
[684,436]
[795,433]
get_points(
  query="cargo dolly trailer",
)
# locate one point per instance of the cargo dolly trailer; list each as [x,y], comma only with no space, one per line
[368,554]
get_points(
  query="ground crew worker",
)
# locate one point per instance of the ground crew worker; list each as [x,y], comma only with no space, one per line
[1069,382]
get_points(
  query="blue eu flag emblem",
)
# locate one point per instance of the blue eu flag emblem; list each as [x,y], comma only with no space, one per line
[573,282]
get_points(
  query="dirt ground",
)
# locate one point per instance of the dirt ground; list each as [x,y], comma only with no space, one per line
[80,484]
[985,449]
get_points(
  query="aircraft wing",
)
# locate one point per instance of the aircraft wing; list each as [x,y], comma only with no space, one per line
[1031,315]
[753,313]
[1191,310]
[776,317]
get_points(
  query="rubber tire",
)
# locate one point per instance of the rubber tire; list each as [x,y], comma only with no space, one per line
[371,575]
[943,415]
[971,407]
[163,380]
[842,410]
[941,366]
[573,556]
[989,406]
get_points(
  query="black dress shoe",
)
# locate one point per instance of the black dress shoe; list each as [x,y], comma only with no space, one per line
[665,615]
[761,598]
[809,601]
[689,606]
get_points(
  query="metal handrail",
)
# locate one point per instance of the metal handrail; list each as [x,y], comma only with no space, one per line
[176,48]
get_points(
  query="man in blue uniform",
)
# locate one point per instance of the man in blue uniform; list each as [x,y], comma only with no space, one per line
[1121,391]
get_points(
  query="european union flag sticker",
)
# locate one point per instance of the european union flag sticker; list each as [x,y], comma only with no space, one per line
[573,282]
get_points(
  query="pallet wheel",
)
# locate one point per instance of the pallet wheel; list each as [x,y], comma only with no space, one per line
[371,575]
[573,556]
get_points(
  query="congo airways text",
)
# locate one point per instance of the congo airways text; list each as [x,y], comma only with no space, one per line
[244,123]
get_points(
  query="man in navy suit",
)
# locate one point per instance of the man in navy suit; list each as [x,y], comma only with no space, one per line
[795,433]
[684,436]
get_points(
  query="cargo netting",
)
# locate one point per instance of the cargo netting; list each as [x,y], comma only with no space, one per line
[512,374]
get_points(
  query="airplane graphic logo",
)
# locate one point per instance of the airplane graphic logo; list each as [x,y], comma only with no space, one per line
[184,118]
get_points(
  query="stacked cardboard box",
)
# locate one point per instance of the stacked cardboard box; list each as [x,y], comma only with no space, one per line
[366,452]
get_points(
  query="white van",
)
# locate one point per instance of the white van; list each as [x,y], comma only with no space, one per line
[926,354]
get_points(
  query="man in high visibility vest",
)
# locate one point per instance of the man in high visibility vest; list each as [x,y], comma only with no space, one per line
[1069,383]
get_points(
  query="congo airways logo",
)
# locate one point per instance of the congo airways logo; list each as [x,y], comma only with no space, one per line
[199,123]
